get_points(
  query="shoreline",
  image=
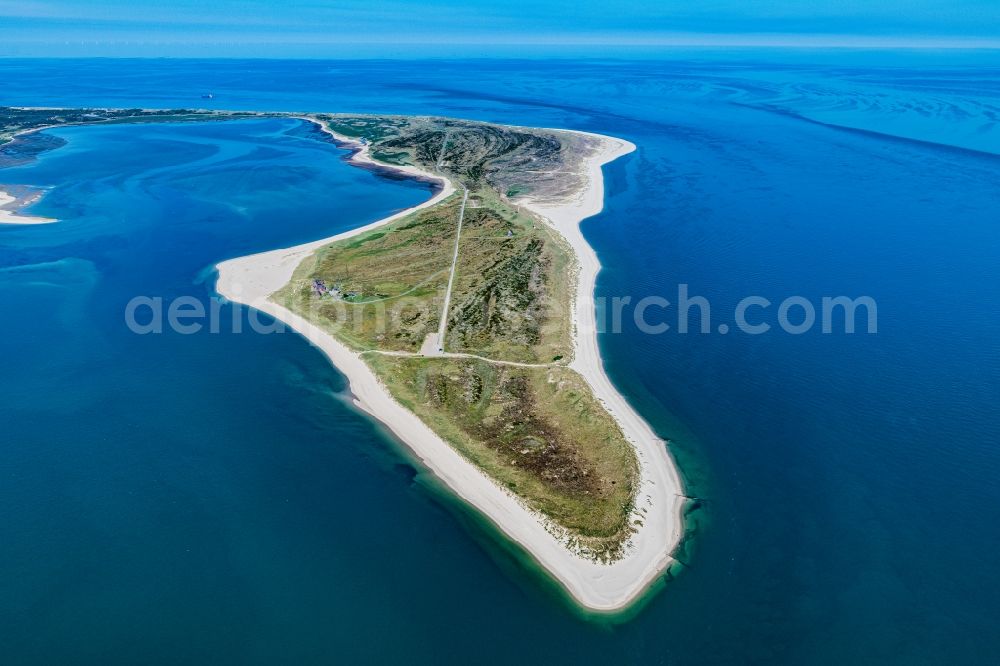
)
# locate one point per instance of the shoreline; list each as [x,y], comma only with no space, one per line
[598,587]
[12,217]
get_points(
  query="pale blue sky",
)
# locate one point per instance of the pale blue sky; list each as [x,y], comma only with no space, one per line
[273,27]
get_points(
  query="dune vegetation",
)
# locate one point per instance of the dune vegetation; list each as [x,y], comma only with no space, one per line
[496,386]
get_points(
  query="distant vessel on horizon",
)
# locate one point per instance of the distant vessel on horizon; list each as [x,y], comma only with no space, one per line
[208,96]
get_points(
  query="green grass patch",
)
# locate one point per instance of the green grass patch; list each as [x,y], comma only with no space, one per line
[383,289]
[537,431]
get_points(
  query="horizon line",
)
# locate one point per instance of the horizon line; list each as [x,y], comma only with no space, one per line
[554,42]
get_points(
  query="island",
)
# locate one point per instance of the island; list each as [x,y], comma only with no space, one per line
[467,326]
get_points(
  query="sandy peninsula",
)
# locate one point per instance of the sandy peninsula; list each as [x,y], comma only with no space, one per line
[11,217]
[597,586]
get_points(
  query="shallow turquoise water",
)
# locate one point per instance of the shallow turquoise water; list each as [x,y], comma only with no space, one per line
[199,497]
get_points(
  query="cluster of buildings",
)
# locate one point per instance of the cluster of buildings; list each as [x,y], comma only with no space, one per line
[320,288]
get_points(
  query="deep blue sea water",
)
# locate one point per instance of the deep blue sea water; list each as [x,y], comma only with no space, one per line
[213,497]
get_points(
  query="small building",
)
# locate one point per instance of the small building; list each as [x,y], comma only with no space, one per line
[319,287]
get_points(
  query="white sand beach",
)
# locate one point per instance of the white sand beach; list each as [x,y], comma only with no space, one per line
[600,587]
[10,217]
